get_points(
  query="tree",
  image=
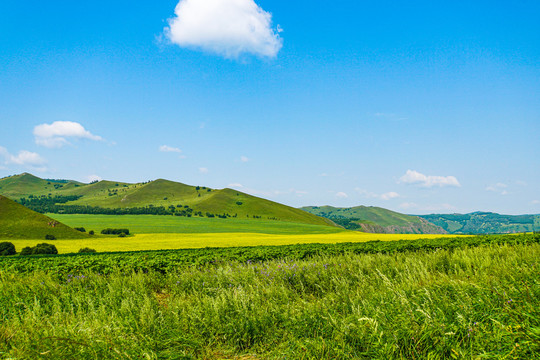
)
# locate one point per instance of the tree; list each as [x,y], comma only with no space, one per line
[7,248]
[50,237]
[87,250]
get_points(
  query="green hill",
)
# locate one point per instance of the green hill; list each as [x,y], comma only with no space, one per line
[18,222]
[375,220]
[172,197]
[485,223]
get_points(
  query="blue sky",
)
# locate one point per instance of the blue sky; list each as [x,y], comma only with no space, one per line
[418,106]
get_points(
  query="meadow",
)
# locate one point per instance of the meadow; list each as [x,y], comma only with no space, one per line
[463,298]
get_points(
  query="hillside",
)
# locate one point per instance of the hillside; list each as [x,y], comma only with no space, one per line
[375,220]
[155,197]
[484,223]
[18,222]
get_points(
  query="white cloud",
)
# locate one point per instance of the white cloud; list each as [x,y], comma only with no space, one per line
[203,170]
[229,28]
[24,157]
[372,195]
[535,202]
[389,195]
[166,148]
[428,208]
[244,158]
[54,135]
[414,177]
[92,178]
[235,185]
[498,188]
[342,195]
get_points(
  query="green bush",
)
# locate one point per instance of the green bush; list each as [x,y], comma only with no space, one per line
[110,231]
[50,237]
[40,249]
[91,232]
[87,250]
[122,235]
[26,251]
[81,229]
[7,248]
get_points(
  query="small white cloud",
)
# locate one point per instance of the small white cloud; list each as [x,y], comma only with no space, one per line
[203,170]
[55,135]
[24,157]
[235,185]
[166,148]
[229,28]
[389,195]
[342,195]
[535,202]
[498,188]
[416,178]
[428,208]
[92,178]
[244,158]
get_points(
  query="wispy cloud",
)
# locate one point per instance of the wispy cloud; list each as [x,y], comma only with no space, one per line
[244,158]
[428,208]
[203,170]
[229,28]
[24,157]
[371,195]
[498,188]
[166,148]
[342,195]
[416,178]
[55,135]
[92,178]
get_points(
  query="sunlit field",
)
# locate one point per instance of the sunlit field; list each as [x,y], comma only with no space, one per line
[192,241]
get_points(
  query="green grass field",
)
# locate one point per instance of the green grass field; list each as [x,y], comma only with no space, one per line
[148,224]
[464,303]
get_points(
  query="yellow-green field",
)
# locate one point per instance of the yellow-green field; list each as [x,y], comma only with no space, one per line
[165,241]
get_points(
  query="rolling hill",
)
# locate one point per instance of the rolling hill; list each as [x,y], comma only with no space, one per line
[174,197]
[485,223]
[18,222]
[375,220]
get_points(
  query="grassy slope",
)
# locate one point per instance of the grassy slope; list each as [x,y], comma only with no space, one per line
[161,193]
[376,215]
[18,222]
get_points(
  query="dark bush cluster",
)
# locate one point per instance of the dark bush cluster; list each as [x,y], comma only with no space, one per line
[50,237]
[110,231]
[7,248]
[87,250]
[40,249]
[81,229]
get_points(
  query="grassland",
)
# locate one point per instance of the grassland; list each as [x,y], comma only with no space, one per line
[147,224]
[463,303]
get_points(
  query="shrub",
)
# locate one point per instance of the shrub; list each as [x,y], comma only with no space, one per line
[50,237]
[40,249]
[239,203]
[45,248]
[81,229]
[7,248]
[91,232]
[110,231]
[87,250]
[122,235]
[26,251]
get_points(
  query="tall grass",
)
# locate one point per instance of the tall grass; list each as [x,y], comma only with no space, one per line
[465,303]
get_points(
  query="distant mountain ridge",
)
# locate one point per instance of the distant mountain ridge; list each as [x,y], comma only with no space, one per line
[375,220]
[158,196]
[480,222]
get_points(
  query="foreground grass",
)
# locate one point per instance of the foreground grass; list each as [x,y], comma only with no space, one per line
[142,242]
[478,302]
